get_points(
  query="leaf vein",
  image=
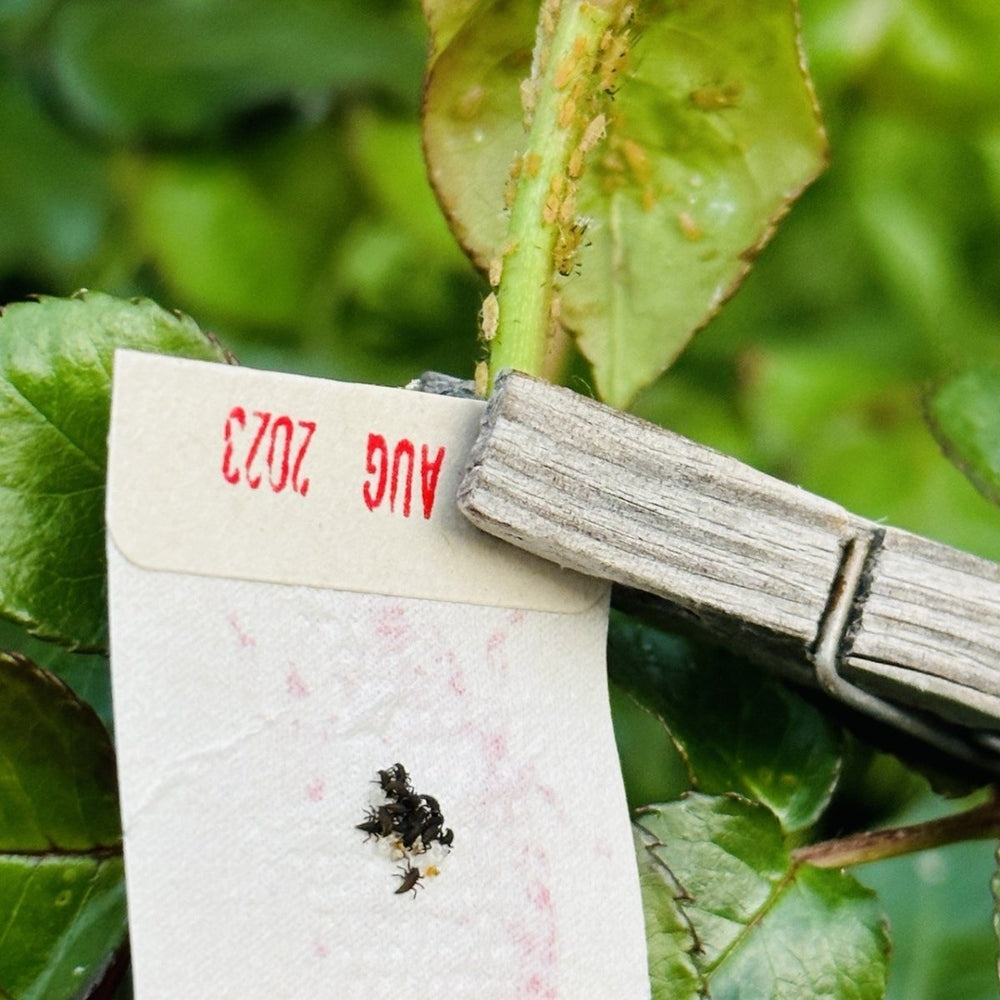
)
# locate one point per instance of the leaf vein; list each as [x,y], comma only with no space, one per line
[89,459]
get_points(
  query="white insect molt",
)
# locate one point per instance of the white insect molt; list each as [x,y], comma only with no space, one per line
[594,132]
[496,271]
[481,378]
[489,317]
[529,96]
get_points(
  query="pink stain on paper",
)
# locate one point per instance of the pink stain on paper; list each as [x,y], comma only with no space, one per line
[495,745]
[243,637]
[496,658]
[448,665]
[536,936]
[511,787]
[392,625]
[295,685]
[315,790]
[496,642]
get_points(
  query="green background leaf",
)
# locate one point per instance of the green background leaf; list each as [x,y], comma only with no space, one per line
[995,889]
[168,67]
[756,918]
[52,218]
[739,731]
[62,897]
[964,413]
[55,395]
[711,135]
[939,907]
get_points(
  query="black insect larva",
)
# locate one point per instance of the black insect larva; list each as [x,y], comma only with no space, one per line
[372,827]
[410,879]
[409,822]
[395,781]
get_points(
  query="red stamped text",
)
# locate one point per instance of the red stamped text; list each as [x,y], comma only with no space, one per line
[267,450]
[392,470]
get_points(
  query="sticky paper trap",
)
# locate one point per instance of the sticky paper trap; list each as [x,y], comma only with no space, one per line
[295,605]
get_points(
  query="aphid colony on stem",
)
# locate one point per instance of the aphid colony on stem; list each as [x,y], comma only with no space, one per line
[579,60]
[409,823]
[582,80]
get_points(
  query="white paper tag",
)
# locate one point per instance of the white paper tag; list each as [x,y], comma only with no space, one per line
[296,605]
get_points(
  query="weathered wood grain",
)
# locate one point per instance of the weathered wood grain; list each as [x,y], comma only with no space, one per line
[768,568]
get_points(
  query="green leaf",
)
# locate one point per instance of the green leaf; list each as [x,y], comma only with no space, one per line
[62,899]
[170,67]
[653,770]
[765,928]
[712,133]
[55,390]
[964,414]
[87,674]
[670,940]
[739,730]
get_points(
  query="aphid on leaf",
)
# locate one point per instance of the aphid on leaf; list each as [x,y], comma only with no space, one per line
[567,245]
[717,98]
[566,112]
[614,60]
[565,72]
[470,103]
[568,207]
[689,227]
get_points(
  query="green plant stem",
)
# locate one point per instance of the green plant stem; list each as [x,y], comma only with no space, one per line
[980,823]
[569,35]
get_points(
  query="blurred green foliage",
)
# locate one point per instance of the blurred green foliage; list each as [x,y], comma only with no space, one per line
[259,166]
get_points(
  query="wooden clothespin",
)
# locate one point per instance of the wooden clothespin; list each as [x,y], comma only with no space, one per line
[898,626]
